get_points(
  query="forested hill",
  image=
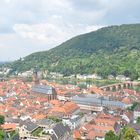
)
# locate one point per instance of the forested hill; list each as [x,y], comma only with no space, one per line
[110,50]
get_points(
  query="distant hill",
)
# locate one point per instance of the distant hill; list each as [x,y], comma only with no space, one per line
[4,62]
[110,50]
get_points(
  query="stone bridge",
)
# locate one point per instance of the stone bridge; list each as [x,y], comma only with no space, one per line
[117,86]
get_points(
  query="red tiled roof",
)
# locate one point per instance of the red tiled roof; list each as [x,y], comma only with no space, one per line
[9,126]
[76,134]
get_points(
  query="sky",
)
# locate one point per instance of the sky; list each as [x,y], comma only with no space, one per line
[28,26]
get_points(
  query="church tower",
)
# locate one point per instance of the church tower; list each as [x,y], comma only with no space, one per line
[35,76]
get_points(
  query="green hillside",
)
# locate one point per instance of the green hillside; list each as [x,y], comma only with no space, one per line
[110,50]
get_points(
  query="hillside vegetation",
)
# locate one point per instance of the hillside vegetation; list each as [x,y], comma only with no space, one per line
[110,50]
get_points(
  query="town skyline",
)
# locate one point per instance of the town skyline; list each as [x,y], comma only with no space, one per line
[69,70]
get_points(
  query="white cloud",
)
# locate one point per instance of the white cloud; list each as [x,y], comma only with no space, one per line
[50,33]
[35,25]
[8,1]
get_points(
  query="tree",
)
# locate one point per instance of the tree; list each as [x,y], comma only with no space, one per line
[2,119]
[111,136]
[129,134]
[138,120]
[2,134]
[114,73]
[82,86]
[133,106]
[127,73]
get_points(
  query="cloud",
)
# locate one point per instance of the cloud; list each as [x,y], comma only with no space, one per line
[7,1]
[50,33]
[35,25]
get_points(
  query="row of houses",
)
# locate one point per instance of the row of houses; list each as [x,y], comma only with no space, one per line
[36,104]
[43,129]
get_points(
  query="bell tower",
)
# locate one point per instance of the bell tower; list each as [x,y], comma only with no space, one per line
[35,76]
